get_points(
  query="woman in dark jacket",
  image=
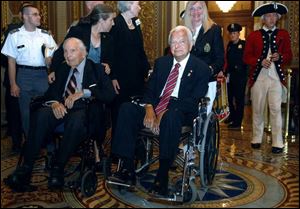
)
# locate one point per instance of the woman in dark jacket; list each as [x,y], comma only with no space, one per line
[208,44]
[131,66]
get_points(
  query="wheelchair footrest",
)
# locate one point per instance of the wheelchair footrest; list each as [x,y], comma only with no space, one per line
[169,198]
[119,184]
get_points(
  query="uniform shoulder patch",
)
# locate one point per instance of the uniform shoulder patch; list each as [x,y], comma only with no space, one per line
[14,30]
[45,31]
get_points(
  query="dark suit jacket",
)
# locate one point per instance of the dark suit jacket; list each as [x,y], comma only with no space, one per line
[193,86]
[83,32]
[209,48]
[95,80]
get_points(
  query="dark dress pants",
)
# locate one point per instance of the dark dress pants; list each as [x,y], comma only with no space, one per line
[236,94]
[43,124]
[130,121]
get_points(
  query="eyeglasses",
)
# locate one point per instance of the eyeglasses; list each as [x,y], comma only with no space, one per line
[35,14]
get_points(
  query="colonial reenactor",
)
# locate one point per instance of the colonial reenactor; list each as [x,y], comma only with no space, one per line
[236,71]
[23,48]
[267,51]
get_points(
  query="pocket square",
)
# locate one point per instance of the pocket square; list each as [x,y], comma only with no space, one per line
[92,85]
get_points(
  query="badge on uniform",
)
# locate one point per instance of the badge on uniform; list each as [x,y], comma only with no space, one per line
[240,46]
[137,22]
[207,47]
[190,73]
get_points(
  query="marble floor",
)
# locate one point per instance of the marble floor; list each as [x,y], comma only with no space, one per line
[245,178]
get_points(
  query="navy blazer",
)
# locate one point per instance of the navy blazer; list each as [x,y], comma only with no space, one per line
[209,48]
[193,86]
[95,80]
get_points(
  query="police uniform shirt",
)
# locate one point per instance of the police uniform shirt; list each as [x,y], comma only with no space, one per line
[26,46]
[271,71]
[235,53]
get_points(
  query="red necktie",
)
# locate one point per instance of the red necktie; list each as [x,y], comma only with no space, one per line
[71,87]
[171,83]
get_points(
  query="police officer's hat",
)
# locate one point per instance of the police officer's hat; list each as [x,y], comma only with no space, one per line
[234,27]
[270,8]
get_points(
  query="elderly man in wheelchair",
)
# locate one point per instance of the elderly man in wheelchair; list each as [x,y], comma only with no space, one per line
[77,79]
[170,101]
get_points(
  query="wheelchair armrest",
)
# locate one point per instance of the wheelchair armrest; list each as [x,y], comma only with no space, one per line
[37,102]
[204,101]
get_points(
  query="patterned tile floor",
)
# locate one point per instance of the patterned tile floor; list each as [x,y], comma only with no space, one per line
[245,178]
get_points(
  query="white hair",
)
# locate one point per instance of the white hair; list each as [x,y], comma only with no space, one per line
[181,28]
[79,44]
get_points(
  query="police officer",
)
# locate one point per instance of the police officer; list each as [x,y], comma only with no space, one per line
[236,71]
[23,48]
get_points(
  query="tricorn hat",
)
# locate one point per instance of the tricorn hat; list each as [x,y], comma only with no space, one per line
[270,8]
[234,27]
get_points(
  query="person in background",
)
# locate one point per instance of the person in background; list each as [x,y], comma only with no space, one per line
[13,115]
[208,42]
[23,48]
[267,51]
[131,64]
[236,72]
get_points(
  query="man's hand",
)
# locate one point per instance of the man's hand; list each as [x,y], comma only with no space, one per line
[59,110]
[156,124]
[14,90]
[106,68]
[69,102]
[150,116]
[275,57]
[116,86]
[266,63]
[51,77]
[48,61]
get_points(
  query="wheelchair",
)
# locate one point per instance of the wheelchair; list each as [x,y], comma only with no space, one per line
[83,176]
[197,157]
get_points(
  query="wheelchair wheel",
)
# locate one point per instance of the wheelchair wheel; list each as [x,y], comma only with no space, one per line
[189,193]
[89,183]
[209,158]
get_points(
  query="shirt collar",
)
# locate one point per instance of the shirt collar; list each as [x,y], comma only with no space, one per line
[80,67]
[266,29]
[183,62]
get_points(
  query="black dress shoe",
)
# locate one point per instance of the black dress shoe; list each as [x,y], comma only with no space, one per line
[277,150]
[19,181]
[124,177]
[255,145]
[158,189]
[56,179]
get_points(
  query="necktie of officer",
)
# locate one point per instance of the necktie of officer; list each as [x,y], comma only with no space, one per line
[170,85]
[72,84]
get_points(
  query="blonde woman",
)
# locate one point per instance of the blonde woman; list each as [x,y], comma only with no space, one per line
[208,42]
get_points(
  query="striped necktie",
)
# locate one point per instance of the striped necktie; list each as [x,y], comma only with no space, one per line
[71,87]
[170,85]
